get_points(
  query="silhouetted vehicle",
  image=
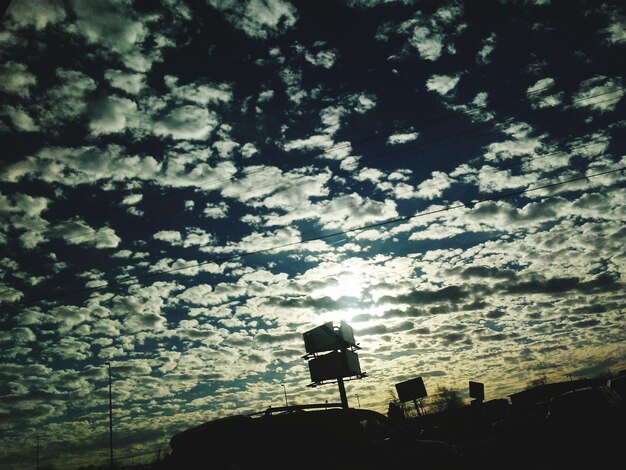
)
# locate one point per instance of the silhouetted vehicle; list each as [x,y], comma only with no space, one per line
[307,437]
[522,421]
[590,413]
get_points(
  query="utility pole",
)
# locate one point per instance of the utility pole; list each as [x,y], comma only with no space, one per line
[110,416]
[285,391]
[342,393]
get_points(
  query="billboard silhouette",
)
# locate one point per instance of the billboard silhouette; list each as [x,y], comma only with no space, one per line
[411,390]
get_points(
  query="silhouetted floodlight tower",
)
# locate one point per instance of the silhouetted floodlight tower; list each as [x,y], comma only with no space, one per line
[412,390]
[340,361]
[110,417]
[285,391]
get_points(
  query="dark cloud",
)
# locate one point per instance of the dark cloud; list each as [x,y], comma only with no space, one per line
[483,272]
[586,323]
[558,285]
[269,338]
[428,296]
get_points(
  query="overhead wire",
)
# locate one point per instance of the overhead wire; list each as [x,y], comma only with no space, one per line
[487,125]
[470,205]
[290,160]
[411,190]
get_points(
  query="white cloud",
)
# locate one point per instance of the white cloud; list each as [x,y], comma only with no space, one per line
[297,189]
[9,294]
[489,45]
[225,148]
[76,232]
[266,241]
[67,100]
[216,211]
[132,199]
[69,316]
[541,85]
[131,83]
[375,3]
[492,179]
[170,236]
[538,96]
[15,79]
[181,172]
[22,334]
[370,174]
[402,138]
[365,102]
[73,166]
[248,149]
[522,143]
[199,295]
[24,212]
[616,30]
[258,18]
[431,34]
[186,122]
[442,84]
[352,210]
[293,81]
[600,93]
[184,267]
[112,114]
[325,59]
[35,13]
[434,187]
[20,119]
[314,142]
[197,237]
[265,96]
[200,93]
[108,24]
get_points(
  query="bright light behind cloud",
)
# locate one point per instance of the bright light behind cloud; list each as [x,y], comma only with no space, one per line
[187,187]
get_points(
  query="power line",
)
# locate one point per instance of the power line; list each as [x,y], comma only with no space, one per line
[399,193]
[292,183]
[468,205]
[339,146]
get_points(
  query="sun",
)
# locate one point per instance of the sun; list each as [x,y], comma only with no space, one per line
[346,285]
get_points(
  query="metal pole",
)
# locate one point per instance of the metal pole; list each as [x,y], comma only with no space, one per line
[37,451]
[285,390]
[417,407]
[342,393]
[110,416]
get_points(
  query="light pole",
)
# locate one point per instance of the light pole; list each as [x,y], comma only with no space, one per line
[110,416]
[357,400]
[285,391]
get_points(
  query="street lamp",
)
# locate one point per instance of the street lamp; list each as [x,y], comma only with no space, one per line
[285,391]
[357,400]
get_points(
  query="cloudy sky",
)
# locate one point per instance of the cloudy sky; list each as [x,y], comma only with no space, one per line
[187,187]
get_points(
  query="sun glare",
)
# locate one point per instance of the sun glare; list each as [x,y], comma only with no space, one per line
[347,285]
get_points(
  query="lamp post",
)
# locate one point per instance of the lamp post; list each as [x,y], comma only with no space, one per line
[110,416]
[285,391]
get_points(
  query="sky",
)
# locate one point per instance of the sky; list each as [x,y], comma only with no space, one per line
[188,187]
